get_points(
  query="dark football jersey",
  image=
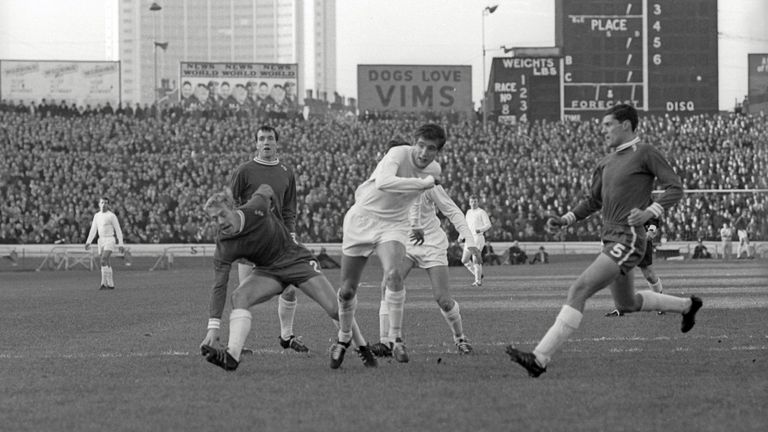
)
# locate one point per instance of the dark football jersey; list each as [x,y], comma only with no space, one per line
[250,175]
[263,240]
[624,180]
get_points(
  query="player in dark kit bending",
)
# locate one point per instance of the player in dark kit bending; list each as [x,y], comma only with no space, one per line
[254,233]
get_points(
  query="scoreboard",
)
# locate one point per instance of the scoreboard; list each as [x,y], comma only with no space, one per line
[659,55]
[521,89]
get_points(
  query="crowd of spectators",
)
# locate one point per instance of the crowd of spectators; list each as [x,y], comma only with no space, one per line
[158,168]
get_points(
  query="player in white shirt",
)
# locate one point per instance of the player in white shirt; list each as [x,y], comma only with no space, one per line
[479,223]
[378,222]
[428,250]
[110,236]
[726,238]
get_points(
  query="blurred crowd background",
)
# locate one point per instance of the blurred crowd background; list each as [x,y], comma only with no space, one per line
[158,167]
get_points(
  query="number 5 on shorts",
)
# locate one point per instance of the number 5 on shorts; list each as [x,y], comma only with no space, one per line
[618,250]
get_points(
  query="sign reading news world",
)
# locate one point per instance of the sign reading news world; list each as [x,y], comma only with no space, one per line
[80,82]
[269,87]
[414,88]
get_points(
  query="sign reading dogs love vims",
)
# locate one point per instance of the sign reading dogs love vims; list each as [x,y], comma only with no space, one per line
[414,88]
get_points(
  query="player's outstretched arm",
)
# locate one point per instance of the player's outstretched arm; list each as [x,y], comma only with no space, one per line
[217,302]
[212,338]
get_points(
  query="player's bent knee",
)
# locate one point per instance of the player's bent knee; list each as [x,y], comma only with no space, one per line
[445,303]
[289,294]
[346,293]
[394,280]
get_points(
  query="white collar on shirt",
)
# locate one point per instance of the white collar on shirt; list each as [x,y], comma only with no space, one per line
[263,162]
[628,144]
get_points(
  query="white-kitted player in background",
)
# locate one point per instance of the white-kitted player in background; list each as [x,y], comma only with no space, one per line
[110,236]
[479,223]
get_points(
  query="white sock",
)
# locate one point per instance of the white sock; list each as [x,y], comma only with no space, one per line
[478,273]
[662,302]
[470,267]
[239,327]
[383,322]
[567,321]
[286,311]
[104,275]
[108,276]
[346,318]
[395,301]
[453,318]
[357,336]
[656,287]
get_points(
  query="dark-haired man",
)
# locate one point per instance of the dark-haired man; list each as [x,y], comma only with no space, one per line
[621,186]
[379,222]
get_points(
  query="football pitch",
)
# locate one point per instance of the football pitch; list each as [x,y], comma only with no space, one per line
[76,358]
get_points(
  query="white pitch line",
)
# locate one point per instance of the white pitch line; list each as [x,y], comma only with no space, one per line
[437,348]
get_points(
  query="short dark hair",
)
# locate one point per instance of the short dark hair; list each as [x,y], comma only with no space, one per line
[431,132]
[623,112]
[267,128]
[397,141]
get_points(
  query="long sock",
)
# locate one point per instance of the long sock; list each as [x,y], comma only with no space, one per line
[110,281]
[346,318]
[286,310]
[395,301]
[453,318]
[567,321]
[479,273]
[239,327]
[357,336]
[656,287]
[662,302]
[471,267]
[383,322]
[103,275]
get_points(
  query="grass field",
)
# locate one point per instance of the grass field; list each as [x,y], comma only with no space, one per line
[75,358]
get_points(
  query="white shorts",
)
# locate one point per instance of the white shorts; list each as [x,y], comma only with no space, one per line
[479,243]
[362,232]
[106,244]
[742,235]
[433,253]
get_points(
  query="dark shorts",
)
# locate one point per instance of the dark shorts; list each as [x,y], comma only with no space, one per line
[293,268]
[624,245]
[648,256]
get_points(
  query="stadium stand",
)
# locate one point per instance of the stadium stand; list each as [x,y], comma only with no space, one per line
[159,167]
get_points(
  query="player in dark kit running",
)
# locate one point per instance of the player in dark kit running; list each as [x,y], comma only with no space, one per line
[254,233]
[621,185]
